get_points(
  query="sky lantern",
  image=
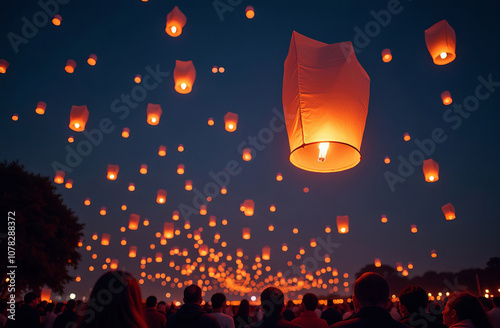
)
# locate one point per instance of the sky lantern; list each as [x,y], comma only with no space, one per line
[279,177]
[92,60]
[133,221]
[446,98]
[175,215]
[203,209]
[212,221]
[386,55]
[126,133]
[448,211]
[222,69]
[180,148]
[249,12]
[284,247]
[431,170]
[57,20]
[3,66]
[406,137]
[123,242]
[399,267]
[210,121]
[162,151]
[184,76]
[249,206]
[158,257]
[15,117]
[223,190]
[441,41]
[230,121]
[70,66]
[246,233]
[114,264]
[45,294]
[153,114]
[325,121]
[387,160]
[383,218]
[87,202]
[313,242]
[175,22]
[413,228]
[272,208]
[78,117]
[203,250]
[214,69]
[161,196]
[247,154]
[113,172]
[138,78]
[143,169]
[168,230]
[189,185]
[71,139]
[343,223]
[433,254]
[131,187]
[40,108]
[69,184]
[132,252]
[103,211]
[378,264]
[410,265]
[266,253]
[59,178]
[105,239]
[180,169]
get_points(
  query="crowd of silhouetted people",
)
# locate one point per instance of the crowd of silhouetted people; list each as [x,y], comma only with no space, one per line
[116,301]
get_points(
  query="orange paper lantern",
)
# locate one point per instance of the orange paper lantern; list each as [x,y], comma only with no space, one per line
[40,108]
[105,239]
[103,211]
[184,76]
[246,233]
[158,257]
[162,151]
[386,55]
[133,221]
[138,78]
[448,211]
[3,66]
[161,196]
[70,66]
[175,215]
[231,121]
[180,169]
[249,12]
[446,98]
[441,41]
[266,253]
[59,178]
[78,118]
[92,60]
[153,114]
[212,221]
[325,120]
[343,223]
[126,133]
[203,209]
[189,185]
[175,22]
[249,206]
[378,264]
[168,230]
[132,252]
[413,228]
[143,169]
[69,184]
[113,172]
[431,170]
[247,154]
[57,20]
[45,294]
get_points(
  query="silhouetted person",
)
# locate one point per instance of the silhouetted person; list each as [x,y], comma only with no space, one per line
[272,303]
[309,318]
[243,317]
[68,318]
[28,316]
[288,314]
[219,305]
[413,305]
[371,300]
[122,308]
[191,314]
[50,316]
[330,314]
[154,319]
[59,308]
[494,314]
[465,311]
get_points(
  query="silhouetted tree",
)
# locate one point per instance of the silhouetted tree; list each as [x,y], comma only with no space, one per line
[46,231]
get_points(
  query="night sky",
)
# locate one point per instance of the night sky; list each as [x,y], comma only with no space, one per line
[128,38]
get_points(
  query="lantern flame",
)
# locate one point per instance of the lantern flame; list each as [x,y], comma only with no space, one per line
[443,55]
[323,149]
[173,29]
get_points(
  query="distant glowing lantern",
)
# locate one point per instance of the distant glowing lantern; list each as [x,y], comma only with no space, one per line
[138,78]
[69,184]
[249,206]
[161,196]
[441,42]
[162,151]
[180,169]
[431,170]
[305,190]
[70,66]
[132,252]
[410,265]
[71,139]
[180,148]
[328,229]
[153,114]
[387,160]
[168,230]
[222,69]
[131,187]
[203,250]
[284,247]
[279,177]
[59,178]
[386,55]
[123,242]
[313,242]
[223,190]
[189,185]
[133,221]
[383,219]
[249,12]
[87,201]
[448,211]
[126,133]
[239,252]
[413,228]
[175,22]
[57,20]
[246,233]
[105,239]
[78,117]
[114,264]
[343,223]
[272,208]
[446,98]
[325,120]
[214,69]
[3,66]
[433,254]
[102,211]
[295,231]
[399,267]
[266,253]
[40,108]
[113,172]
[378,264]
[175,215]
[92,60]
[212,221]
[406,137]
[145,222]
[45,294]
[230,121]
[184,76]
[158,257]
[247,154]
[143,169]
[203,209]
[15,117]
[405,273]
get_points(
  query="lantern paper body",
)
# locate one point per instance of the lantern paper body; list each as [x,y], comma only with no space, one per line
[249,12]
[386,55]
[40,108]
[143,169]
[69,184]
[325,100]
[343,223]
[57,20]
[246,233]
[180,169]
[70,66]
[184,76]
[168,230]
[113,171]
[378,264]
[175,22]
[231,121]
[92,60]
[247,154]
[3,66]
[162,151]
[59,178]
[446,98]
[249,207]
[126,133]
[189,185]
[161,196]
[138,78]
[431,170]
[105,239]
[78,118]
[159,257]
[203,209]
[266,253]
[154,114]
[203,250]
[45,294]
[441,41]
[448,211]
[132,252]
[133,221]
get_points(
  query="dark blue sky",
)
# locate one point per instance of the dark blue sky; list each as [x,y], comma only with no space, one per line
[405,94]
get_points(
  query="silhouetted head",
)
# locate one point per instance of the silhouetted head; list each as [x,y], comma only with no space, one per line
[310,301]
[192,294]
[412,299]
[244,308]
[272,301]
[462,306]
[71,305]
[218,300]
[31,299]
[151,301]
[371,289]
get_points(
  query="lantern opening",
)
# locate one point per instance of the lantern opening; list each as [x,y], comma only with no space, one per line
[173,29]
[323,149]
[335,157]
[443,55]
